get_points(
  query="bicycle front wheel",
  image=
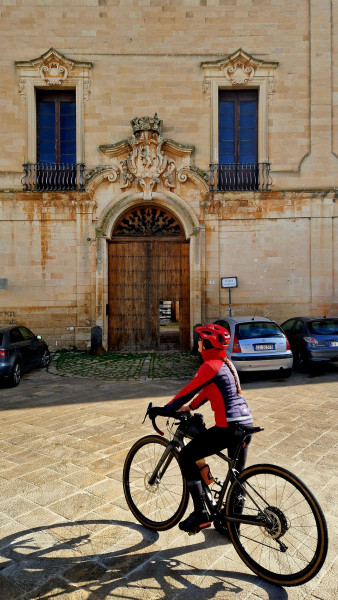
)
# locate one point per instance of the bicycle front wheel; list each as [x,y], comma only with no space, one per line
[291,547]
[154,487]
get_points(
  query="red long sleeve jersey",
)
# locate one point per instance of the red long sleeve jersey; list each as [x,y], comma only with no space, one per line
[214,382]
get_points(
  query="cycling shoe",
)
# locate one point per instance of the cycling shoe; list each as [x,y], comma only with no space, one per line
[195,522]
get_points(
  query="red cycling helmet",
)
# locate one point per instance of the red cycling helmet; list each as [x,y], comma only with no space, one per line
[218,336]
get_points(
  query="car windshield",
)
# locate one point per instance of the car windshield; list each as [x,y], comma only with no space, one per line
[257,329]
[324,327]
[1,336]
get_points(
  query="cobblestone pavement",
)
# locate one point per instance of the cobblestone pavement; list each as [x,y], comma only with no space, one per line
[120,366]
[65,529]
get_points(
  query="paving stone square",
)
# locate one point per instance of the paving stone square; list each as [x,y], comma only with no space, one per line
[65,529]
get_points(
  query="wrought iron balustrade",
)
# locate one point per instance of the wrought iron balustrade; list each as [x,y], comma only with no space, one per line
[53,177]
[240,177]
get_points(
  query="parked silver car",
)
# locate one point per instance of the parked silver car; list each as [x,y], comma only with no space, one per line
[20,351]
[258,344]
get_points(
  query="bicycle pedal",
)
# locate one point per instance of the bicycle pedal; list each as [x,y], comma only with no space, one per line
[200,527]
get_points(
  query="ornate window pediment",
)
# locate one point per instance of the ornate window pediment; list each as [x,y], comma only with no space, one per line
[240,68]
[53,68]
[146,159]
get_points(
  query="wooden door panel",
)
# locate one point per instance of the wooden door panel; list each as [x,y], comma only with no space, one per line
[141,274]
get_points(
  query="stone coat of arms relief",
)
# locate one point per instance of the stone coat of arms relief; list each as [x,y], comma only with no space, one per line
[146,159]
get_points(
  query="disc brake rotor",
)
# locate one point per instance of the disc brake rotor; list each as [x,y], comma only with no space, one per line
[278,523]
[150,488]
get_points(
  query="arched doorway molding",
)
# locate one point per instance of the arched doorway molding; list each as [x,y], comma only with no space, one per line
[171,202]
[105,227]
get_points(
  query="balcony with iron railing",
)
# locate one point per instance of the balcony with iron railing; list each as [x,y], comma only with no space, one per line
[240,177]
[53,177]
[62,177]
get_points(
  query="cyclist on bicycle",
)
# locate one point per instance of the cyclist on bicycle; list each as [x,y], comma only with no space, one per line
[217,381]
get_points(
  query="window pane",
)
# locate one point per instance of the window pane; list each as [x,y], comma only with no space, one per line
[257,329]
[248,133]
[227,108]
[247,147]
[46,108]
[226,135]
[247,121]
[46,131]
[47,121]
[227,121]
[248,108]
[227,147]
[68,135]
[26,333]
[68,108]
[15,336]
[68,152]
[328,327]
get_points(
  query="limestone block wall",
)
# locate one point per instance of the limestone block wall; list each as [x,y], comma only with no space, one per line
[49,264]
[283,249]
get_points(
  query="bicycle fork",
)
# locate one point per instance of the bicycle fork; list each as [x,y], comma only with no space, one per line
[162,464]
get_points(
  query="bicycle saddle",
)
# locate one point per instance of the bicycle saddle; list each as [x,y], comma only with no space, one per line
[249,428]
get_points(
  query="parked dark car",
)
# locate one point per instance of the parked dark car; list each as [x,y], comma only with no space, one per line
[257,344]
[20,351]
[312,339]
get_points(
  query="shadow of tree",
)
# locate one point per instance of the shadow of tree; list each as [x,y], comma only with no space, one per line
[114,559]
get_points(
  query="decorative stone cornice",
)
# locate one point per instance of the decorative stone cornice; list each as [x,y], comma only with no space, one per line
[53,69]
[146,159]
[239,69]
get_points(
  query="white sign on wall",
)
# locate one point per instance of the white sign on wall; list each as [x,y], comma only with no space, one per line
[229,282]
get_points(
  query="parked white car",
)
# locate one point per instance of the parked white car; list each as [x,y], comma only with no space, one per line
[257,344]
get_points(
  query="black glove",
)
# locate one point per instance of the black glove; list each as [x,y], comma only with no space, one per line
[156,411]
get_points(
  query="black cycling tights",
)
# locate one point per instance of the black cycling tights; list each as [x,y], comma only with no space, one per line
[207,443]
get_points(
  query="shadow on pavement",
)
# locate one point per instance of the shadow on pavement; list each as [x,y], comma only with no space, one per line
[39,388]
[61,558]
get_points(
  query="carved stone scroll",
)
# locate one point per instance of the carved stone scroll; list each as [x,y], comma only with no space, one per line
[146,159]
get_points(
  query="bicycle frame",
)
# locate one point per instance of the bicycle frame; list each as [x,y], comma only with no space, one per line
[178,441]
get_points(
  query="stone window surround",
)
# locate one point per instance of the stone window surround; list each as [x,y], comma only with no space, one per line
[53,71]
[240,71]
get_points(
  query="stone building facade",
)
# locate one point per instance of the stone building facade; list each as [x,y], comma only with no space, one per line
[197,139]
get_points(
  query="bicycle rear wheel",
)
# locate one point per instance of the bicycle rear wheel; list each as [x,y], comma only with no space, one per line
[159,503]
[291,548]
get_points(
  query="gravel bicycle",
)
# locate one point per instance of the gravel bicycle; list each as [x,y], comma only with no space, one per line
[273,520]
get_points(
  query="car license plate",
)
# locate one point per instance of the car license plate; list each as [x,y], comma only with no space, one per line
[264,346]
[333,344]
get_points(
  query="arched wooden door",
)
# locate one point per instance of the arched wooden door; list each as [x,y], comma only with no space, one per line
[149,291]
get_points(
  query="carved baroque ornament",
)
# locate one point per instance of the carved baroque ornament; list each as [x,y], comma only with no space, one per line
[53,69]
[146,159]
[240,69]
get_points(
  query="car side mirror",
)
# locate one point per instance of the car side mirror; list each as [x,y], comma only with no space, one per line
[38,337]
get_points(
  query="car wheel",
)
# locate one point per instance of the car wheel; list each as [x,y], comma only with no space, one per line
[15,376]
[45,358]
